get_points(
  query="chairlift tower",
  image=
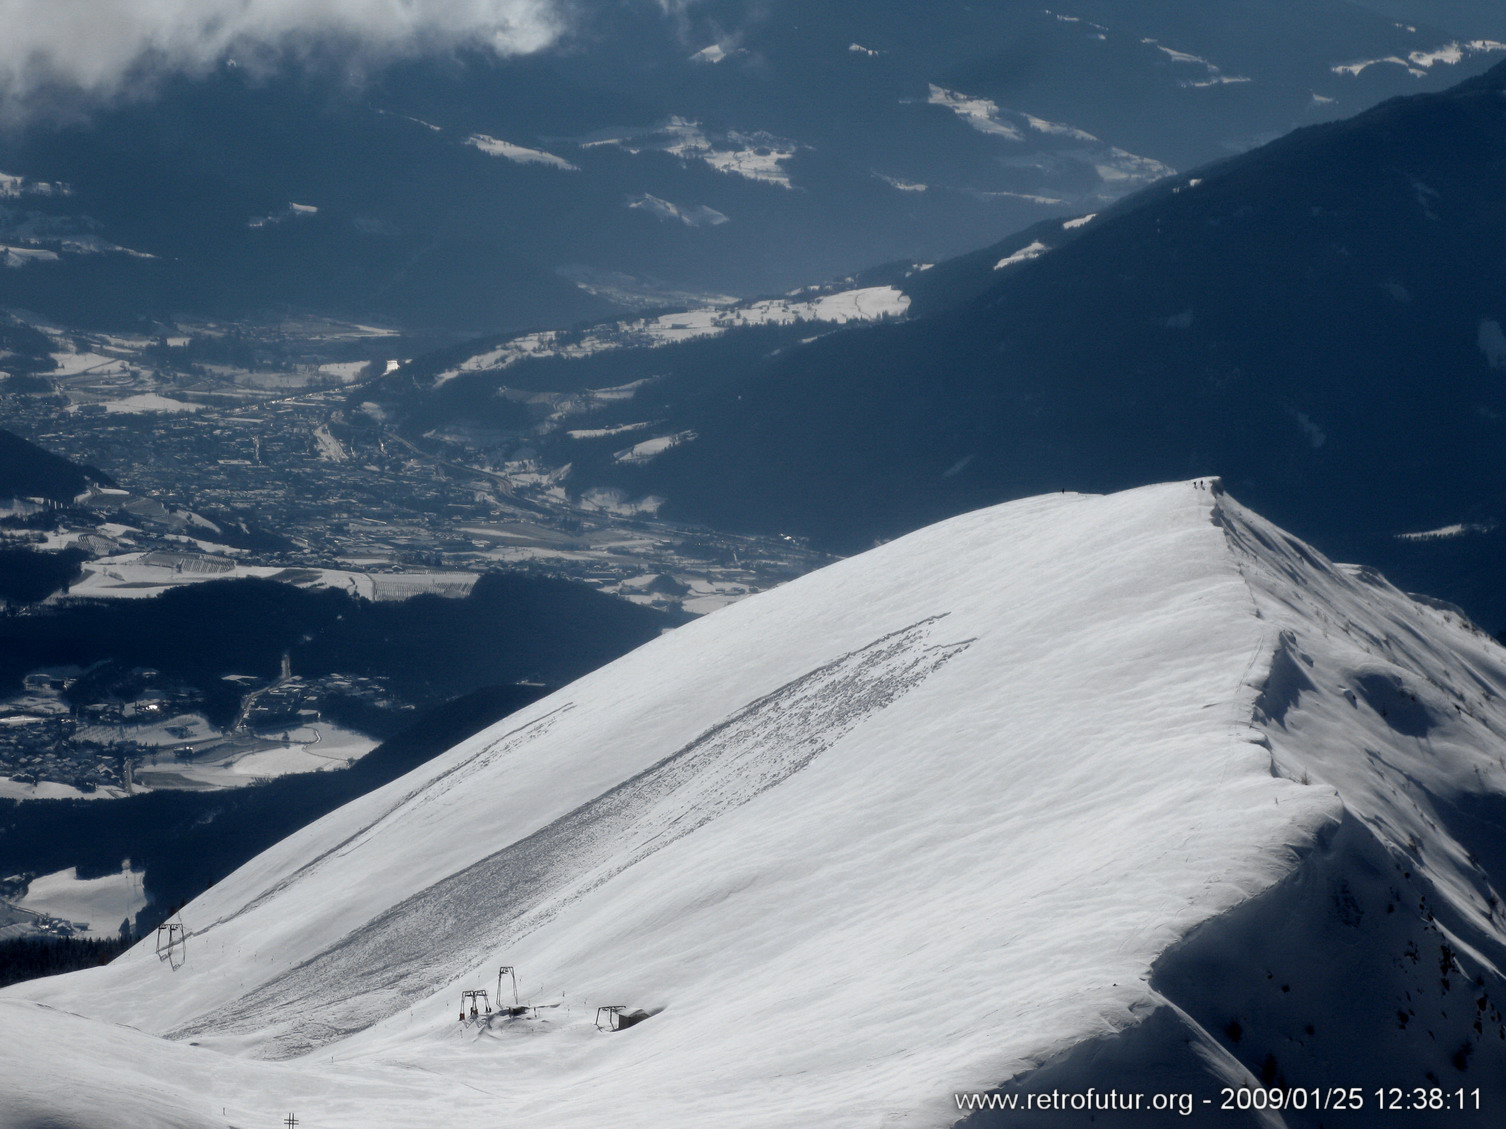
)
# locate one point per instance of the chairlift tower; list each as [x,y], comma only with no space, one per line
[479,1004]
[510,971]
[612,1016]
[171,941]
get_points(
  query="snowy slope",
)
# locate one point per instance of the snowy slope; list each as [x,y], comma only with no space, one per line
[838,307]
[991,796]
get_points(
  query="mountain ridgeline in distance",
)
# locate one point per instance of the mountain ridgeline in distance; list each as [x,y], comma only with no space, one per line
[1132,792]
[1320,319]
[730,147]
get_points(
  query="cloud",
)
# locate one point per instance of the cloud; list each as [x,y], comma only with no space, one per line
[93,50]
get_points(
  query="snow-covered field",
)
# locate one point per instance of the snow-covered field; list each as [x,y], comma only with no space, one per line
[1117,169]
[313,747]
[869,303]
[1132,784]
[1034,251]
[696,215]
[149,402]
[493,147]
[980,113]
[53,790]
[140,575]
[16,257]
[646,451]
[72,364]
[344,371]
[1418,63]
[1211,76]
[1448,532]
[12,187]
[99,903]
[756,156]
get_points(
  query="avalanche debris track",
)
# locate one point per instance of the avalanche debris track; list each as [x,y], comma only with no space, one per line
[447,930]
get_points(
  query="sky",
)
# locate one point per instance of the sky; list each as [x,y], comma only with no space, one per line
[65,51]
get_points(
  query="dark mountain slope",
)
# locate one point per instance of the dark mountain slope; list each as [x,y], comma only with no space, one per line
[1320,321]
[746,146]
[510,628]
[28,471]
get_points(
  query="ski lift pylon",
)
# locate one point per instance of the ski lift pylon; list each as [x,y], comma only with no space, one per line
[510,971]
[476,1002]
[172,941]
[610,1015]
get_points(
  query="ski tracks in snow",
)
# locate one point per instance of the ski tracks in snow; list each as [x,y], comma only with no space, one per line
[429,792]
[420,945]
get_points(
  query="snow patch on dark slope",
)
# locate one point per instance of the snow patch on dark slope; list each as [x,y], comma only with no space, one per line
[1073,791]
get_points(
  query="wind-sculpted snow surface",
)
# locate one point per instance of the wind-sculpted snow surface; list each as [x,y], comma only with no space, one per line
[424,942]
[1077,791]
[1376,961]
[428,793]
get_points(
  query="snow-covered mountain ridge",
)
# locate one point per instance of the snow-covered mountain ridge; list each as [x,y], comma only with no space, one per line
[1065,790]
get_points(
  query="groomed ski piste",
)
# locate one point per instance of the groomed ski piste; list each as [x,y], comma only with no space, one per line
[1129,791]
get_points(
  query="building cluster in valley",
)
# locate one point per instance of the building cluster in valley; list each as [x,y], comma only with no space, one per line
[238,453]
[54,743]
[338,489]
